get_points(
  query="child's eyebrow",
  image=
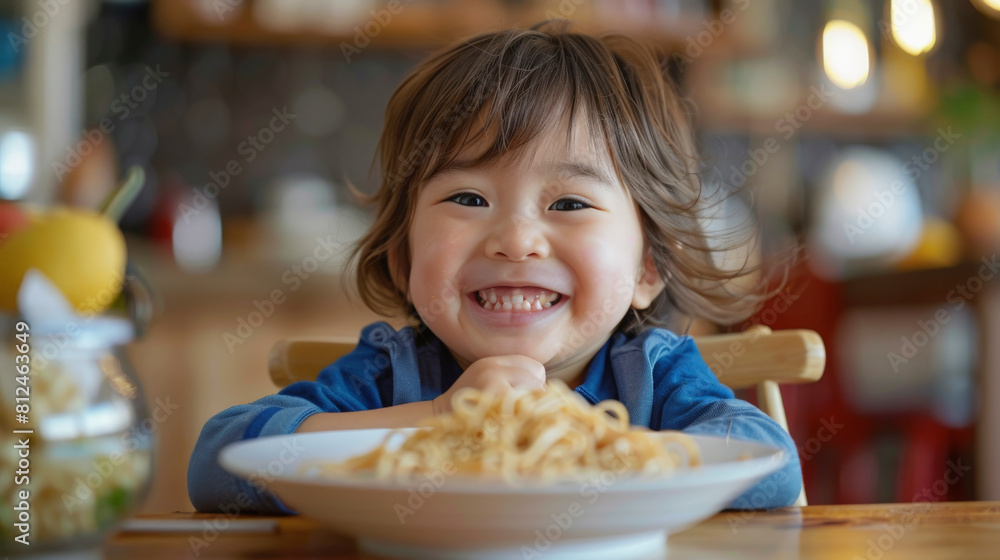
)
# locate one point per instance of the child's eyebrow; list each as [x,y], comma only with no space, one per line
[573,169]
[560,169]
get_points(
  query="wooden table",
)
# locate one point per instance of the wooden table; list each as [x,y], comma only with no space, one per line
[963,530]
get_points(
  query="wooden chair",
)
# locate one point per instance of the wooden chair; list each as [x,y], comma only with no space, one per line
[756,357]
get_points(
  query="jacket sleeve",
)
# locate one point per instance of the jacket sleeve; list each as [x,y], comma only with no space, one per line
[697,403]
[354,382]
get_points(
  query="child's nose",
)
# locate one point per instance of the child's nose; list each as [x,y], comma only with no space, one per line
[517,238]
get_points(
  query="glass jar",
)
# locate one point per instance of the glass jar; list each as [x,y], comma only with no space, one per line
[76,436]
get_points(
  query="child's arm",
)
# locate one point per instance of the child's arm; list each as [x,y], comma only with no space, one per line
[696,402]
[739,419]
[353,388]
[212,488]
[399,416]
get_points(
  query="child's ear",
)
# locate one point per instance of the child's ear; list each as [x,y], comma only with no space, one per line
[649,284]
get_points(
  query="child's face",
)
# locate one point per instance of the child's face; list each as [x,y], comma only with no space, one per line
[557,225]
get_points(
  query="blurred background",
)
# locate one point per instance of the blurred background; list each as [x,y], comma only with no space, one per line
[865,131]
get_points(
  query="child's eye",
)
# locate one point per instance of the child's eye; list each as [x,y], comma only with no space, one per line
[468,199]
[568,204]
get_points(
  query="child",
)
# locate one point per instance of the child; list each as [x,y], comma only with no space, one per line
[538,216]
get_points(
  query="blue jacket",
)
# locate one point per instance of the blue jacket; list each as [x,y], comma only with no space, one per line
[659,377]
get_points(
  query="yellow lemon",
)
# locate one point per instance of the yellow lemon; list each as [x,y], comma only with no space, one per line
[81,252]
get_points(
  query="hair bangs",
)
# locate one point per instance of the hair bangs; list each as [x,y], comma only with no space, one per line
[530,92]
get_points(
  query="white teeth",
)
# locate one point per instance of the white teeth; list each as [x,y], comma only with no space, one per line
[516,301]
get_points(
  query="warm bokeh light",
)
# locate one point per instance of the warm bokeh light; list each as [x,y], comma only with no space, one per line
[913,26]
[992,4]
[988,7]
[845,54]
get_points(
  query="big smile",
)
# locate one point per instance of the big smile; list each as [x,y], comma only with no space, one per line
[522,299]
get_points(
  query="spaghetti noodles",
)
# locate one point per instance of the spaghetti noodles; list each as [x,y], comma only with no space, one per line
[543,435]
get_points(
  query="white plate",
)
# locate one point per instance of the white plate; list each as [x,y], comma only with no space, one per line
[446,517]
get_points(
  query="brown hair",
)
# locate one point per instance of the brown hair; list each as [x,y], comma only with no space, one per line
[508,86]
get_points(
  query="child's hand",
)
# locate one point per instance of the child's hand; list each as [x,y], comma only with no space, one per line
[496,374]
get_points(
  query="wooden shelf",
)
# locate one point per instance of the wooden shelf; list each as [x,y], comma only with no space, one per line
[416,25]
[876,126]
[913,287]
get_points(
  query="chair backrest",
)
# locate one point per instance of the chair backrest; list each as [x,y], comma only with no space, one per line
[756,357]
[738,359]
